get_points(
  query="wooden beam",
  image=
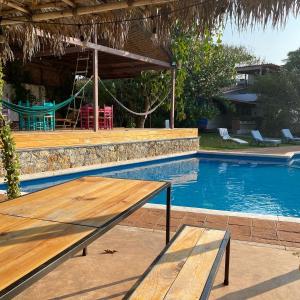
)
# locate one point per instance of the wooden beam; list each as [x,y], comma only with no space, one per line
[15,6]
[122,53]
[85,10]
[69,2]
[117,52]
[96,81]
[172,114]
[53,4]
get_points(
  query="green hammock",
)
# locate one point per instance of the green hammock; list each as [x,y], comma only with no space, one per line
[41,110]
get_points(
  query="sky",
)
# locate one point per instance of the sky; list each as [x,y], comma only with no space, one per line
[270,44]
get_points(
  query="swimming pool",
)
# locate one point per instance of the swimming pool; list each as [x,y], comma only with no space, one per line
[245,184]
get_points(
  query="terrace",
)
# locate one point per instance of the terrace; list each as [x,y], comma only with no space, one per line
[265,248]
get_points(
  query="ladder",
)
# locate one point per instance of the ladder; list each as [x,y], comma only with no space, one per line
[81,72]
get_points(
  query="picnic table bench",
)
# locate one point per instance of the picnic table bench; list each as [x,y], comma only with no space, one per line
[41,230]
[186,268]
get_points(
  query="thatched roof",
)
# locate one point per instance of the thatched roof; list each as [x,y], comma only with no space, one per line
[20,19]
[142,54]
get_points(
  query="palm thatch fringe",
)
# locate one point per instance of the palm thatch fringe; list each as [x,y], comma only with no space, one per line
[113,26]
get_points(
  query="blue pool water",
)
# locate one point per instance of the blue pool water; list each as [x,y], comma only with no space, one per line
[249,186]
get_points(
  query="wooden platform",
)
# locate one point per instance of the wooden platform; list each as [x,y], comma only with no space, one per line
[63,138]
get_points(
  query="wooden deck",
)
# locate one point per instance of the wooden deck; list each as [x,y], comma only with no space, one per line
[63,138]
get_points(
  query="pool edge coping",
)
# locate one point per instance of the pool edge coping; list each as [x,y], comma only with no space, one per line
[246,153]
[225,213]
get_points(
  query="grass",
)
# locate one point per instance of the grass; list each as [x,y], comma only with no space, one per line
[212,141]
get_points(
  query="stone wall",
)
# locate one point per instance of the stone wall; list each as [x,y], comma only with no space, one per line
[52,159]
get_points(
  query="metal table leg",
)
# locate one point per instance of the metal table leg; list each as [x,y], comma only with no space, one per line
[227,259]
[168,214]
[84,251]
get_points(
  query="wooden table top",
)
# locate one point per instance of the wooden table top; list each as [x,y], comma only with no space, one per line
[36,227]
[89,201]
[25,244]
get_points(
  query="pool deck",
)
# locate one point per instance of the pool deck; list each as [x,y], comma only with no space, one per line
[278,151]
[257,230]
[256,271]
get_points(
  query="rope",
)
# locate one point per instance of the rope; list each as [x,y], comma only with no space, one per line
[131,111]
[38,110]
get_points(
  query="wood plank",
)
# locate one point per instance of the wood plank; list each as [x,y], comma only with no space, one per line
[183,270]
[25,244]
[164,273]
[191,280]
[90,201]
[78,138]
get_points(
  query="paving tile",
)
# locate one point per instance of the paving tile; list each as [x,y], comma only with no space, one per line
[265,241]
[261,231]
[288,226]
[240,221]
[138,215]
[155,212]
[291,245]
[125,223]
[197,216]
[176,222]
[289,236]
[241,238]
[177,214]
[215,225]
[239,230]
[192,221]
[217,219]
[264,233]
[263,223]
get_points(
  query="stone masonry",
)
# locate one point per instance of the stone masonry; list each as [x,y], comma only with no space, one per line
[52,159]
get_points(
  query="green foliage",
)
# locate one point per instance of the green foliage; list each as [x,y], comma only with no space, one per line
[10,159]
[210,66]
[212,141]
[292,63]
[141,93]
[205,66]
[279,101]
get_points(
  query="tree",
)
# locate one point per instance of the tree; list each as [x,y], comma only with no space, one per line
[142,93]
[292,63]
[210,67]
[279,101]
[10,159]
[205,66]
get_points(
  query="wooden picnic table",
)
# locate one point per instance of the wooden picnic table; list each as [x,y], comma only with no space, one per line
[40,230]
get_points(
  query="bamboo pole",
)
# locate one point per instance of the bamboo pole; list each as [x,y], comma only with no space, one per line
[69,2]
[15,6]
[53,4]
[172,114]
[80,11]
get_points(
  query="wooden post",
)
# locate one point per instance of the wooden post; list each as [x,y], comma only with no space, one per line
[96,90]
[172,115]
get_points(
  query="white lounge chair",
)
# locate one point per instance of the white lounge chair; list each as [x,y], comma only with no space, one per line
[287,135]
[226,137]
[260,140]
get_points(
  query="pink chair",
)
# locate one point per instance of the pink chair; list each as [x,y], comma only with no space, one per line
[106,117]
[87,117]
